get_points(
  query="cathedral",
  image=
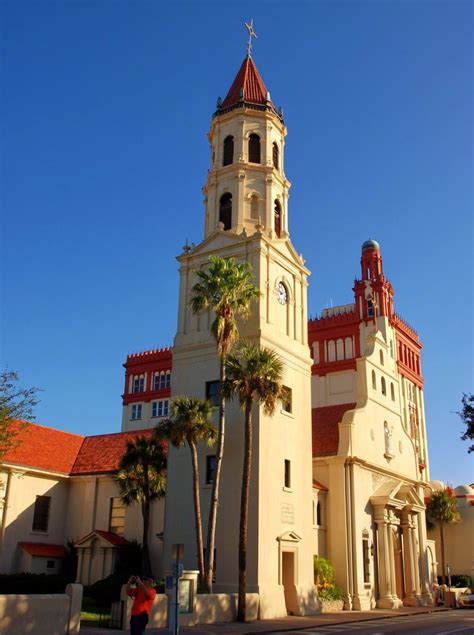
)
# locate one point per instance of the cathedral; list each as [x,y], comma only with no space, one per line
[339,470]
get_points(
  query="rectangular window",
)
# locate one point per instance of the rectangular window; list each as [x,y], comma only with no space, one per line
[136,383]
[50,564]
[286,400]
[160,408]
[156,382]
[366,560]
[141,385]
[41,513]
[210,468]
[117,516]
[287,473]
[162,381]
[212,392]
[136,411]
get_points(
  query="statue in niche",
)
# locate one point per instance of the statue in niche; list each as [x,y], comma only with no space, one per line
[388,441]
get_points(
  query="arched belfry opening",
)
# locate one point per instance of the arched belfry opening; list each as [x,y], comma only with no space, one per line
[254,148]
[276,156]
[277,218]
[225,210]
[228,150]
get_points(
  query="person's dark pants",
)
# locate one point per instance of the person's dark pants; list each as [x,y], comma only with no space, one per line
[138,624]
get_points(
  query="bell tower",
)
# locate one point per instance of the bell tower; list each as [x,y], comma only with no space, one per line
[246,185]
[246,217]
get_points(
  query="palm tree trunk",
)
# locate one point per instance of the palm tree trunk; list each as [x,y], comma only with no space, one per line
[197,509]
[441,536]
[146,528]
[244,511]
[211,527]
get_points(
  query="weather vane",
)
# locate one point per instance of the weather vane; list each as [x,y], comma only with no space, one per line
[249,26]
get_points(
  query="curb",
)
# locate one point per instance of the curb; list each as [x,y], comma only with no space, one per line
[364,619]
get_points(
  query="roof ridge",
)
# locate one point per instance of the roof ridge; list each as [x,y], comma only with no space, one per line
[41,425]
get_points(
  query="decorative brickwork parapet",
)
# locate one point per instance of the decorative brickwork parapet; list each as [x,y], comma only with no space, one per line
[156,354]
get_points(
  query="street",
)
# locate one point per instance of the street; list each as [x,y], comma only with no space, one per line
[460,622]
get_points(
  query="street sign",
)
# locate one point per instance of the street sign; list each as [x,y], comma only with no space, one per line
[177,570]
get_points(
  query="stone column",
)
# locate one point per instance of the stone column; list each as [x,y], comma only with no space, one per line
[408,560]
[385,600]
[391,551]
[424,568]
[79,565]
[416,558]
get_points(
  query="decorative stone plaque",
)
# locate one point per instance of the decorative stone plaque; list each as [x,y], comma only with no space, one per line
[287,513]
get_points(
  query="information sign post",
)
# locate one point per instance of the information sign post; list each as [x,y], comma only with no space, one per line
[177,553]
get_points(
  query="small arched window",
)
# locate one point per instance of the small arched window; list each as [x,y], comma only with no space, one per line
[331,347]
[374,380]
[384,386]
[277,218]
[276,156]
[168,379]
[254,148]
[370,308]
[392,391]
[254,207]
[225,210]
[381,357]
[228,150]
[162,380]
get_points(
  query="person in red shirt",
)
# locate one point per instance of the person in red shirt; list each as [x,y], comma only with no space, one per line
[143,594]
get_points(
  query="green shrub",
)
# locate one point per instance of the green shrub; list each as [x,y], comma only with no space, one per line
[32,583]
[331,592]
[106,591]
[323,571]
[459,581]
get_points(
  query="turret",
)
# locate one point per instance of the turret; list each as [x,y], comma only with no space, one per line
[373,292]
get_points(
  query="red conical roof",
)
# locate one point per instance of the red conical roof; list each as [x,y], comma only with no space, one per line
[247,86]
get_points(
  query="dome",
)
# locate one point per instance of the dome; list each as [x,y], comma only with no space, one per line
[464,490]
[437,486]
[371,244]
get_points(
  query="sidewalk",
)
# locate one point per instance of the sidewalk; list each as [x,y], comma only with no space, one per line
[284,624]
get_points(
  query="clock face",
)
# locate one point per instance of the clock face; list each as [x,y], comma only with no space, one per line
[281,293]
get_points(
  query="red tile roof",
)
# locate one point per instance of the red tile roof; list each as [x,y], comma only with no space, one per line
[44,550]
[326,429]
[318,485]
[101,454]
[247,83]
[44,448]
[109,536]
[53,450]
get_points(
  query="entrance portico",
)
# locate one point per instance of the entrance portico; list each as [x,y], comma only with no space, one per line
[403,576]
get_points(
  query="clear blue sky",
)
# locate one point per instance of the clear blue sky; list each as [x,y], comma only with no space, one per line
[105,113]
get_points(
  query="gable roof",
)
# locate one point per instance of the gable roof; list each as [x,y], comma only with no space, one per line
[247,86]
[109,536]
[325,427]
[101,454]
[44,550]
[43,448]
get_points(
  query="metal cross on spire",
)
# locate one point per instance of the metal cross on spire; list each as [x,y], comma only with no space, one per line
[249,27]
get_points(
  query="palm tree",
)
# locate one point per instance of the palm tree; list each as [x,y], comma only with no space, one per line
[141,479]
[254,375]
[226,288]
[190,422]
[441,510]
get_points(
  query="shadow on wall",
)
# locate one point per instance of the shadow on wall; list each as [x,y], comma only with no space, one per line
[42,614]
[19,525]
